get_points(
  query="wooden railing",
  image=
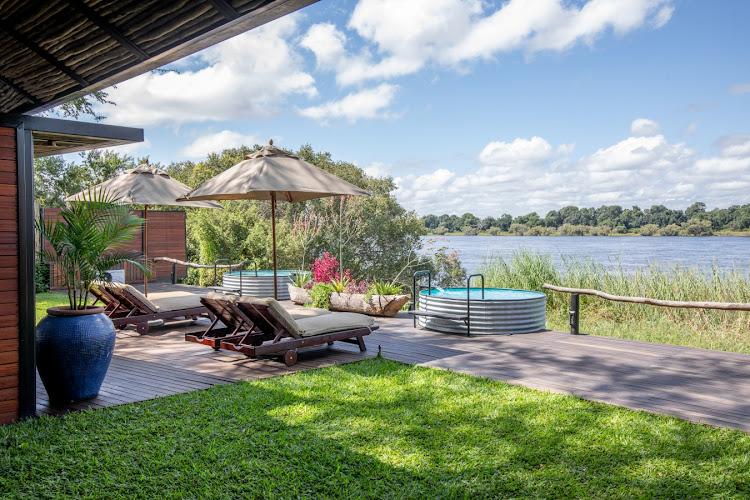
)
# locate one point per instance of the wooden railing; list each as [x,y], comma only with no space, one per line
[575,305]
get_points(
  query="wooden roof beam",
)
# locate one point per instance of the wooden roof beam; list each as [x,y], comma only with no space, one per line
[109,29]
[225,9]
[21,91]
[43,54]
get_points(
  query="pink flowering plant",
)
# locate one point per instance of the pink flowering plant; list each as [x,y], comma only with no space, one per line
[325,269]
[357,287]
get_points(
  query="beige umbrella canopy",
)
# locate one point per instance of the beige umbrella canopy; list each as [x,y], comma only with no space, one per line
[144,185]
[271,174]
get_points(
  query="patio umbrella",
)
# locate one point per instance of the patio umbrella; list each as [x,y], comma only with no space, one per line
[145,185]
[271,174]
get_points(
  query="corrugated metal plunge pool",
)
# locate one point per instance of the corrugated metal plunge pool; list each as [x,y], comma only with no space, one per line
[501,311]
[260,285]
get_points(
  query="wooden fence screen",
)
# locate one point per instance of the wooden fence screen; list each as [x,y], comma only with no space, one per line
[166,238]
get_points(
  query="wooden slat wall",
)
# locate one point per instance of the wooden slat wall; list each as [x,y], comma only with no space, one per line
[8,276]
[166,238]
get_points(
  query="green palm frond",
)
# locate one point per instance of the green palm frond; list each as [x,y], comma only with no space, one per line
[91,238]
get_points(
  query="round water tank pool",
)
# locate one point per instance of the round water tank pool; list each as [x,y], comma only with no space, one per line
[260,285]
[501,311]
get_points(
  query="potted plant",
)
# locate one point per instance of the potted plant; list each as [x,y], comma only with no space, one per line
[74,343]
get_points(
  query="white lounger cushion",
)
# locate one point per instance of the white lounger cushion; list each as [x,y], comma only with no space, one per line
[335,322]
[175,301]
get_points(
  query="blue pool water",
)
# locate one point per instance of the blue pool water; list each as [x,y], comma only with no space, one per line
[489,294]
[249,272]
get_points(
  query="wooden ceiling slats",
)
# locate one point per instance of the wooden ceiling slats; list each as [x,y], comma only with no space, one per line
[56,49]
[109,28]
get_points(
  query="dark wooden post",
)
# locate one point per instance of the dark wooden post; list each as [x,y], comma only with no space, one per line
[575,313]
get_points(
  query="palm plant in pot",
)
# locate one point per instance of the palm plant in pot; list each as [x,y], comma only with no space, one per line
[74,343]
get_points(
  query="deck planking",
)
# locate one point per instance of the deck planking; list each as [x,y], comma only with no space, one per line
[698,385]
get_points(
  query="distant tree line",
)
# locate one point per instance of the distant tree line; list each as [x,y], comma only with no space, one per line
[695,220]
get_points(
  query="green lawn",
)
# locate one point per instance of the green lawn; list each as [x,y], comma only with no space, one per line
[46,300]
[376,429]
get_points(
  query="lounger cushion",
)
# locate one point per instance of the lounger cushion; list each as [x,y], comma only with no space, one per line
[176,301]
[307,312]
[330,323]
[282,313]
[144,302]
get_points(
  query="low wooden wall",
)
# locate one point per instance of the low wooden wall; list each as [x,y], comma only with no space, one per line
[9,312]
[166,238]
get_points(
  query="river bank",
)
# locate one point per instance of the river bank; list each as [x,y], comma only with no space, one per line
[708,329]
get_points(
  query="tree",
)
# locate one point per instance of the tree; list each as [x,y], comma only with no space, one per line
[529,220]
[553,219]
[696,211]
[55,179]
[504,222]
[608,215]
[430,221]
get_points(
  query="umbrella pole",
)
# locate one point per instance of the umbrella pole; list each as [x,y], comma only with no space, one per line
[145,247]
[273,236]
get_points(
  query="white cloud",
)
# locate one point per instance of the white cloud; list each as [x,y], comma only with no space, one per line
[402,37]
[520,150]
[524,175]
[637,153]
[740,88]
[365,104]
[644,126]
[215,143]
[247,77]
[378,169]
[135,149]
[737,145]
[690,128]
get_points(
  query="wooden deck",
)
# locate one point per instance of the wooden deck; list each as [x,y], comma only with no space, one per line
[695,384]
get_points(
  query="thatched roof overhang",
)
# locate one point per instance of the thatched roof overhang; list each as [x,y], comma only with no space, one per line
[59,50]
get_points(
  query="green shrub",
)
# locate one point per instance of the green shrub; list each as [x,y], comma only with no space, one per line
[41,276]
[321,295]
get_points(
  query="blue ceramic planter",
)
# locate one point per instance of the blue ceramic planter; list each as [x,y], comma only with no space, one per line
[73,352]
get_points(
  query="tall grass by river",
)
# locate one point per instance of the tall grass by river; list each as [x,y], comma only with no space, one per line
[709,329]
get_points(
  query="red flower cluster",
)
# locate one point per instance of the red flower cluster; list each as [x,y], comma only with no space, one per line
[326,269]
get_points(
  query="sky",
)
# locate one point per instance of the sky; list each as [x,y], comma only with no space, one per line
[478,106]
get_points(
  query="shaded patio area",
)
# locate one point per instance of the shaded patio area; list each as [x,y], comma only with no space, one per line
[695,384]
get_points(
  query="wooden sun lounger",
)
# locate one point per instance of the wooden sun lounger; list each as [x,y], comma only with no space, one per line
[112,306]
[285,337]
[270,329]
[235,324]
[135,309]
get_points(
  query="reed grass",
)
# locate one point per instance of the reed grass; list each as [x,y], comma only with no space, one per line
[709,329]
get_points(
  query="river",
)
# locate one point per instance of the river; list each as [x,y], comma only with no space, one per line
[629,252]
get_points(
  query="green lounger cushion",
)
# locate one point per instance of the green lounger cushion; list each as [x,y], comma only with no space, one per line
[336,322]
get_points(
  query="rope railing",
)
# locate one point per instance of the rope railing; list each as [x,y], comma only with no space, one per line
[575,308]
[190,264]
